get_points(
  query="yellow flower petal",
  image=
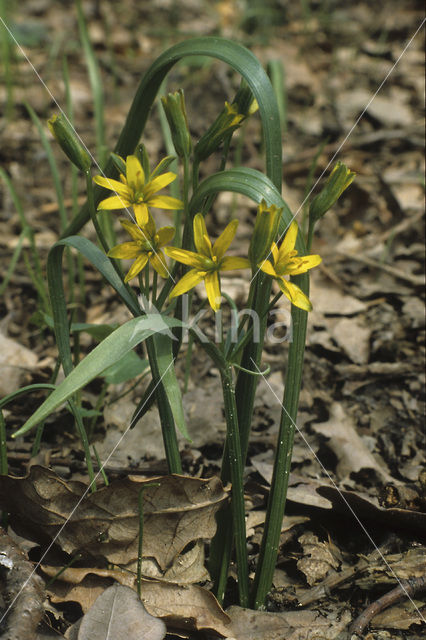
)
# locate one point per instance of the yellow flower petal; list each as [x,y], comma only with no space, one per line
[295,294]
[289,241]
[114,202]
[186,257]
[150,228]
[135,175]
[200,235]
[158,262]
[113,185]
[274,251]
[137,266]
[187,282]
[165,235]
[229,263]
[141,214]
[224,240]
[304,264]
[267,267]
[165,202]
[125,251]
[212,285]
[159,183]
[132,229]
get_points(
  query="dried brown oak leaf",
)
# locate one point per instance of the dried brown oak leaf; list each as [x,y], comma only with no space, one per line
[186,607]
[105,524]
[317,560]
[118,614]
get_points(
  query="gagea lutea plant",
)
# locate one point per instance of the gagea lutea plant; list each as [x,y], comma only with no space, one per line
[168,261]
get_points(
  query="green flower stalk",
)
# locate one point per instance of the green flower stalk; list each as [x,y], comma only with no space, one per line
[264,233]
[69,142]
[175,110]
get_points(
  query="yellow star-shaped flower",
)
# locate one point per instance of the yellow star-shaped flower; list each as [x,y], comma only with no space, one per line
[287,262]
[138,191]
[207,262]
[146,245]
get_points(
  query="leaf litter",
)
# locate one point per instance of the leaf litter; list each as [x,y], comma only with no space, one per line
[365,345]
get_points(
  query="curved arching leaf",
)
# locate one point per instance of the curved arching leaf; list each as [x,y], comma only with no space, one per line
[253,184]
[232,53]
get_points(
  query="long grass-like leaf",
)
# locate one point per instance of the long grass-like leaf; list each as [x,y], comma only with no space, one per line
[164,371]
[114,347]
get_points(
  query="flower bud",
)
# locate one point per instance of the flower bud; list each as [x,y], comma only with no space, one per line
[174,108]
[68,141]
[339,180]
[264,233]
[244,101]
[227,121]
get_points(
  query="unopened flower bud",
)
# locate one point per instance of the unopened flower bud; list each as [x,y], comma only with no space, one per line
[69,142]
[174,108]
[264,233]
[339,180]
[226,122]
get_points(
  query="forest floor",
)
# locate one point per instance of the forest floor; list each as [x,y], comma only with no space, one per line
[356,512]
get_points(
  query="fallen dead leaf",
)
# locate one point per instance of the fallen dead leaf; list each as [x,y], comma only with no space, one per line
[352,453]
[291,625]
[317,558]
[15,362]
[118,614]
[185,607]
[401,616]
[353,338]
[105,524]
[330,301]
[83,585]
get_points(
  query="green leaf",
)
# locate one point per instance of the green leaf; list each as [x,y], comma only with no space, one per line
[108,352]
[128,367]
[232,53]
[101,262]
[256,186]
[163,356]
[56,289]
[98,331]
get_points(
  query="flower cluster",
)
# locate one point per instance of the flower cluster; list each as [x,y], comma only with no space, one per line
[208,260]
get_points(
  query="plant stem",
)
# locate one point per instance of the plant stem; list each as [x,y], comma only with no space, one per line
[236,472]
[166,417]
[3,446]
[279,484]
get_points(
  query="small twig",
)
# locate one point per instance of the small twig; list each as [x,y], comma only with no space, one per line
[405,588]
[392,271]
